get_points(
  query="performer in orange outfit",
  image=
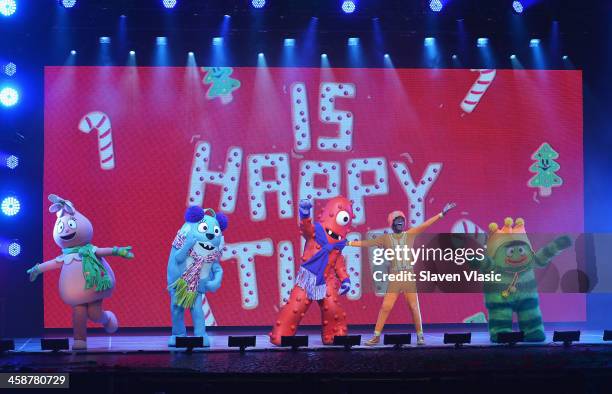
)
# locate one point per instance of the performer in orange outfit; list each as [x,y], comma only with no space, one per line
[322,268]
[401,238]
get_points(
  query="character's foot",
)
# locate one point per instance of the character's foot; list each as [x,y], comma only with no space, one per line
[206,340]
[375,340]
[535,336]
[172,341]
[420,339]
[111,324]
[79,344]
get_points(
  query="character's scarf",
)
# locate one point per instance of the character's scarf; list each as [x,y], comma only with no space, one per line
[186,287]
[94,272]
[310,277]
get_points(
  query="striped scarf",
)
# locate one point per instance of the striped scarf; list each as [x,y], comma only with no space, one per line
[94,271]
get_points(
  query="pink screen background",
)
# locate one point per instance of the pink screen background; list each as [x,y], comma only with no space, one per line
[413,116]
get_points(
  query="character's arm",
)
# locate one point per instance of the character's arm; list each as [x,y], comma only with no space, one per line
[544,256]
[419,229]
[306,226]
[121,251]
[44,267]
[367,243]
[213,282]
[343,276]
[181,254]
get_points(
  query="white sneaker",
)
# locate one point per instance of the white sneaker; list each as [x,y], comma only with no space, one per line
[79,344]
[420,340]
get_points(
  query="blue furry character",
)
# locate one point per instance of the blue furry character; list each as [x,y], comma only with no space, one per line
[194,269]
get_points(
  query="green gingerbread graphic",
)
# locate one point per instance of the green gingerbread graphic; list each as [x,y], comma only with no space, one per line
[545,168]
[221,84]
[509,253]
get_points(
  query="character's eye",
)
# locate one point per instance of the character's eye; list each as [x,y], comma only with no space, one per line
[60,226]
[521,250]
[343,218]
[509,252]
[217,230]
[72,224]
[203,227]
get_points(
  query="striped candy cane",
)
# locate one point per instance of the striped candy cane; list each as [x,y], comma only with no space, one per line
[209,318]
[100,121]
[474,95]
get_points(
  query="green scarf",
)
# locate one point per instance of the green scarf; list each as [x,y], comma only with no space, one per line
[94,272]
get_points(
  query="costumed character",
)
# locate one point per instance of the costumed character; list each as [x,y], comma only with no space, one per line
[322,277]
[86,279]
[194,269]
[510,254]
[399,238]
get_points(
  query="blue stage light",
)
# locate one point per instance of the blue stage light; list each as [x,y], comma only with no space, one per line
[565,57]
[353,41]
[8,7]
[436,5]
[132,53]
[534,43]
[169,3]
[324,55]
[68,3]
[289,42]
[12,162]
[482,42]
[512,57]
[518,7]
[10,206]
[429,41]
[161,40]
[105,40]
[73,52]
[217,41]
[348,6]
[9,96]
[10,69]
[14,248]
[258,3]
[190,53]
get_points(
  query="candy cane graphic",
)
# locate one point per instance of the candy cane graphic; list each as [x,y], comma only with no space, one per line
[209,318]
[474,95]
[100,121]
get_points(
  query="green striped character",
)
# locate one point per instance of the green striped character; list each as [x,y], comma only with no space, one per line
[510,254]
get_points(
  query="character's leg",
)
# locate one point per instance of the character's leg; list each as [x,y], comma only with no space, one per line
[383,314]
[333,317]
[199,322]
[412,299]
[178,322]
[500,318]
[79,326]
[530,319]
[290,315]
[97,315]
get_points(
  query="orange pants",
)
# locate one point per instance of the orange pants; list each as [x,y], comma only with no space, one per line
[333,317]
[412,299]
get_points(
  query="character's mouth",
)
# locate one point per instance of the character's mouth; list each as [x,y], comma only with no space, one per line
[333,235]
[206,246]
[516,262]
[68,236]
[544,168]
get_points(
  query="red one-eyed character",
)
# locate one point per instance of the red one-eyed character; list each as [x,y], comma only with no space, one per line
[322,277]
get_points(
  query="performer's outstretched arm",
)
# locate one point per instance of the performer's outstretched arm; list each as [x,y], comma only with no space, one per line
[422,227]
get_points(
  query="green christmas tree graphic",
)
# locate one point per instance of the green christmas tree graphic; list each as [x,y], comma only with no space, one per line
[221,85]
[545,168]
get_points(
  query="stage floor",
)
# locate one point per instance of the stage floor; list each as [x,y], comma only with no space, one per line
[134,342]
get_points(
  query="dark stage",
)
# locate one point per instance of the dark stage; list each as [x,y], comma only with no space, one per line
[125,362]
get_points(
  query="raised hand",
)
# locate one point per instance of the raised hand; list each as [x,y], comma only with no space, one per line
[448,207]
[33,272]
[305,206]
[124,251]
